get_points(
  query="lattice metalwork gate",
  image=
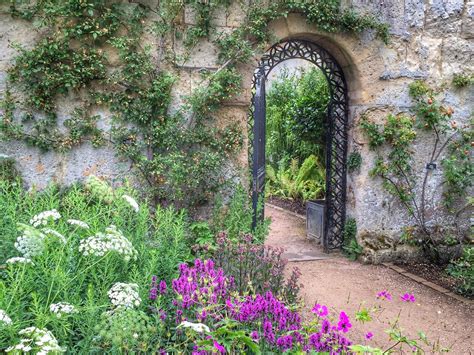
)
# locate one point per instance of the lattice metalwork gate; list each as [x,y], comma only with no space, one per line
[336,132]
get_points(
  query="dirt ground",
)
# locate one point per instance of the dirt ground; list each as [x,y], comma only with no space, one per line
[346,286]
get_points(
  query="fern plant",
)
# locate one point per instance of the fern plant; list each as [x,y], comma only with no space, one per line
[295,182]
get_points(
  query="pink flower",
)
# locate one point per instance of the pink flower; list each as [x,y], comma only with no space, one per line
[219,347]
[344,323]
[369,335]
[408,297]
[385,295]
[320,310]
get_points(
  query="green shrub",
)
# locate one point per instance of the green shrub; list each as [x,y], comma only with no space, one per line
[296,116]
[63,265]
[463,270]
[8,171]
[236,218]
[351,247]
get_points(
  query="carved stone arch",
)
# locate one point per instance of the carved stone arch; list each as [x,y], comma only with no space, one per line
[337,131]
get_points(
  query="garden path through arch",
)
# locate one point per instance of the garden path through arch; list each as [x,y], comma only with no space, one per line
[337,132]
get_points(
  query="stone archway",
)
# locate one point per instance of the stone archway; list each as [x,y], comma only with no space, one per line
[337,127]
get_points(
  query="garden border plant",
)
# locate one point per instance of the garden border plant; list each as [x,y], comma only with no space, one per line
[176,154]
[77,285]
[452,146]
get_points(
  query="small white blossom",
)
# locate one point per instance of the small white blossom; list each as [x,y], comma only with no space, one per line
[62,308]
[55,233]
[19,260]
[42,341]
[31,242]
[42,219]
[112,240]
[4,318]
[197,327]
[124,295]
[132,202]
[76,222]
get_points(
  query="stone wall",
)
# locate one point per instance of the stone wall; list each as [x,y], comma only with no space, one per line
[430,40]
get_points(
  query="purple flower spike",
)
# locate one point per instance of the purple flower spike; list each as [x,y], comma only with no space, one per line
[162,287]
[153,289]
[254,335]
[408,297]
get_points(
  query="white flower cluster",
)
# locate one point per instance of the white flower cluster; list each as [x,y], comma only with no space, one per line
[62,308]
[197,327]
[132,202]
[55,233]
[41,341]
[78,223]
[112,240]
[42,219]
[4,318]
[31,243]
[19,260]
[124,295]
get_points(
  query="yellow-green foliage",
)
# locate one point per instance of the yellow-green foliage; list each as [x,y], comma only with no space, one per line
[293,181]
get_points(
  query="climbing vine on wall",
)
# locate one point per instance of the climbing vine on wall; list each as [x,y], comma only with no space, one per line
[394,143]
[94,51]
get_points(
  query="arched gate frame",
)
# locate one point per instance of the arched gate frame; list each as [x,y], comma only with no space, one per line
[336,149]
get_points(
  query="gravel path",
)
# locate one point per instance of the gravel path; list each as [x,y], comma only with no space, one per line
[346,285]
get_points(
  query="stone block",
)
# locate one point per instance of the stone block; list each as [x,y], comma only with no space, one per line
[415,13]
[458,56]
[236,14]
[467,27]
[445,8]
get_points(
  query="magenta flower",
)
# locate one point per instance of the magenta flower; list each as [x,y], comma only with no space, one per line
[408,297]
[385,295]
[325,326]
[344,323]
[320,310]
[369,335]
[219,347]
[162,287]
[254,335]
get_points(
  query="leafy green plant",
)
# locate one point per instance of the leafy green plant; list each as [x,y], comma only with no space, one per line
[64,249]
[8,170]
[351,247]
[203,235]
[305,182]
[462,80]
[354,161]
[463,270]
[236,218]
[296,116]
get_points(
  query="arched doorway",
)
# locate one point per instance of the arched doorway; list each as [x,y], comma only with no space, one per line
[336,133]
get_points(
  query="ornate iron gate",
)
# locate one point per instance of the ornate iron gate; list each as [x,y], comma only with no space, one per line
[336,132]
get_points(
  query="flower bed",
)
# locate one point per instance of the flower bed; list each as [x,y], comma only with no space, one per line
[96,272]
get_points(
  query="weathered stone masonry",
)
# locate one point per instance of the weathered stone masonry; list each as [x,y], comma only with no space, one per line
[430,40]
